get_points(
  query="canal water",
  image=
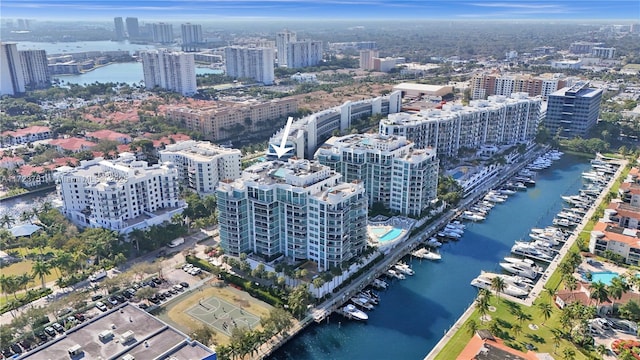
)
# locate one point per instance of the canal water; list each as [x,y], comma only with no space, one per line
[415,313]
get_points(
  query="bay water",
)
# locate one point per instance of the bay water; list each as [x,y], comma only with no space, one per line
[415,313]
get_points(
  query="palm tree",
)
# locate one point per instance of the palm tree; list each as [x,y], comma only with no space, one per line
[7,220]
[557,338]
[41,269]
[568,354]
[618,287]
[521,316]
[498,285]
[317,283]
[551,293]
[599,292]
[517,329]
[601,350]
[472,327]
[23,280]
[546,310]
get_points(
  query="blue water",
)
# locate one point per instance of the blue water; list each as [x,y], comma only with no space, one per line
[391,235]
[414,314]
[130,73]
[604,277]
[458,174]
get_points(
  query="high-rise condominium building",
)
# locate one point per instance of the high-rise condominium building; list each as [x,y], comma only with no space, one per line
[120,195]
[366,59]
[175,71]
[133,29]
[162,33]
[304,53]
[573,111]
[283,38]
[201,164]
[299,209]
[191,36]
[394,174]
[249,62]
[583,47]
[497,121]
[119,28]
[35,69]
[11,73]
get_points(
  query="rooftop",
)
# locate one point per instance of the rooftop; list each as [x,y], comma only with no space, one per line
[151,339]
[616,233]
[486,347]
[27,131]
[107,135]
[579,89]
[72,144]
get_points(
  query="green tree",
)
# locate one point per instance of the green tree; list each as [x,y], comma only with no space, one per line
[41,269]
[618,287]
[472,326]
[298,300]
[498,285]
[599,292]
[204,334]
[545,310]
[517,329]
[568,354]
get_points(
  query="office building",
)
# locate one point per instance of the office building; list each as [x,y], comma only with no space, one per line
[304,53]
[283,39]
[120,195]
[119,28]
[394,174]
[191,37]
[300,209]
[385,64]
[133,29]
[11,73]
[497,121]
[221,120]
[308,133]
[583,47]
[201,164]
[603,52]
[174,71]
[162,33]
[573,111]
[250,62]
[35,69]
[366,59]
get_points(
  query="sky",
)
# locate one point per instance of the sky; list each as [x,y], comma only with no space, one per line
[169,10]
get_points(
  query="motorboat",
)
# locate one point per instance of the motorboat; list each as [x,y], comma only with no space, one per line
[458,224]
[379,284]
[433,242]
[569,216]
[362,302]
[547,238]
[395,274]
[370,299]
[430,255]
[483,282]
[527,249]
[353,312]
[563,222]
[519,186]
[575,200]
[454,229]
[404,268]
[520,269]
[505,191]
[469,215]
[494,198]
[449,234]
[515,280]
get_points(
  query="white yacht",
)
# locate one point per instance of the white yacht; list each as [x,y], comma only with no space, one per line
[529,249]
[370,299]
[362,302]
[430,255]
[469,215]
[546,238]
[379,284]
[563,222]
[515,280]
[449,234]
[404,268]
[454,229]
[483,282]
[354,313]
[520,267]
[433,242]
[395,274]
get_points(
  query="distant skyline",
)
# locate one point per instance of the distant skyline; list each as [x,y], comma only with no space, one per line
[211,10]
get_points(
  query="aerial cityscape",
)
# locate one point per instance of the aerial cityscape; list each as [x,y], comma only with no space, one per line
[319,180]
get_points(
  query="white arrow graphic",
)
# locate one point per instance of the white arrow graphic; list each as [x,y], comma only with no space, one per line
[282,149]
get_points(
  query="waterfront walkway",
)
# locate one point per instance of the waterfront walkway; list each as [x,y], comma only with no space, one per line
[540,284]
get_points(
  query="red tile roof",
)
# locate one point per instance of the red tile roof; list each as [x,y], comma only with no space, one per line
[477,344]
[108,135]
[625,210]
[631,188]
[27,131]
[72,144]
[11,160]
[615,233]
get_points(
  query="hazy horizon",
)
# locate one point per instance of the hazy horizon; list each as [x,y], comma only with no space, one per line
[328,10]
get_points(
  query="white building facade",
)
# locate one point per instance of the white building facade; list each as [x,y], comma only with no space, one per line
[283,38]
[120,195]
[496,121]
[162,33]
[299,209]
[35,69]
[201,164]
[11,73]
[395,174]
[191,36]
[304,53]
[249,62]
[174,71]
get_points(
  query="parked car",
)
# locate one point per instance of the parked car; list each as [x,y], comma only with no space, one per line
[42,336]
[160,296]
[120,298]
[50,331]
[156,280]
[96,297]
[16,348]
[71,320]
[101,306]
[127,294]
[143,306]
[58,327]
[79,317]
[178,287]
[112,300]
[184,284]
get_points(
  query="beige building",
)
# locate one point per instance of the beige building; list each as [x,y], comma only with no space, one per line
[411,90]
[225,119]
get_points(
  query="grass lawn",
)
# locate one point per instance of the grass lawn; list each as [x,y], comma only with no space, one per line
[505,319]
[24,266]
[176,312]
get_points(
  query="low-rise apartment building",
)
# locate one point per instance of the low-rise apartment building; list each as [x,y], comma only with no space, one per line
[26,135]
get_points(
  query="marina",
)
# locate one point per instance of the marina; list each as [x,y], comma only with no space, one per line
[415,312]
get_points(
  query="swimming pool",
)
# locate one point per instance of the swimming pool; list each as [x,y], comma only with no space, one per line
[604,277]
[391,235]
[458,174]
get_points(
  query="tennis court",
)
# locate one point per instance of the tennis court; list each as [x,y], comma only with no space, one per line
[222,315]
